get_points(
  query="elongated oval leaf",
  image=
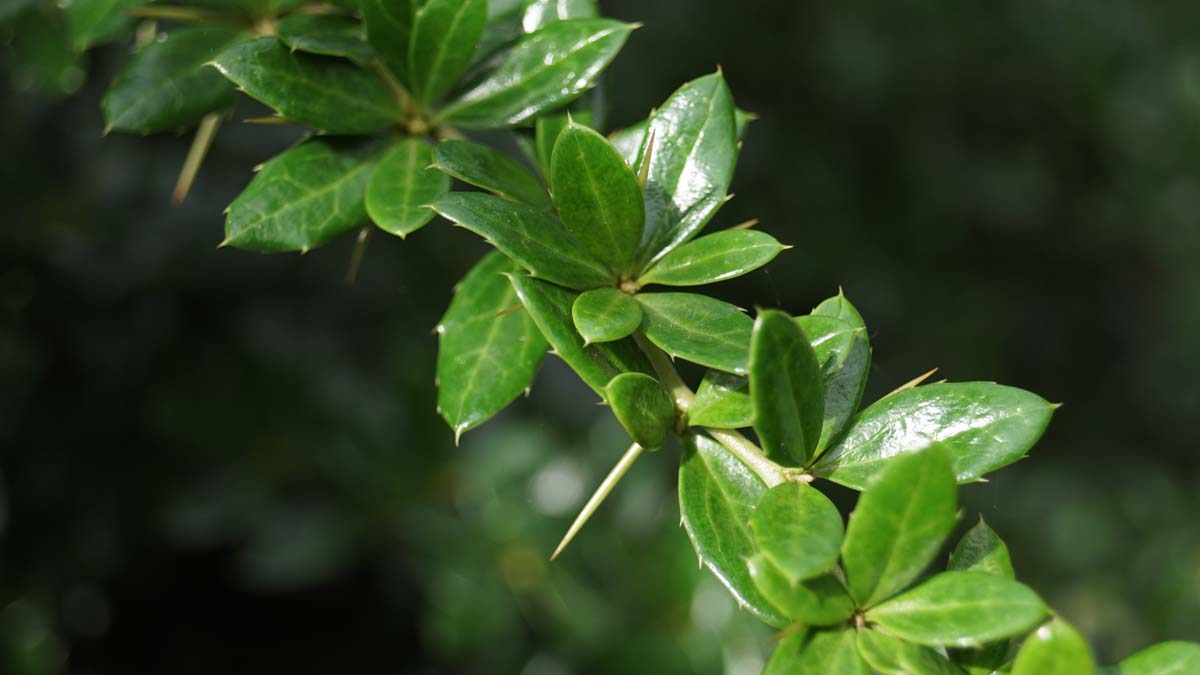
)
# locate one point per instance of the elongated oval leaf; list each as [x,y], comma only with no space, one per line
[539,13]
[481,166]
[487,356]
[722,401]
[168,85]
[717,494]
[530,236]
[798,529]
[899,525]
[303,197]
[825,652]
[844,353]
[786,389]
[889,655]
[330,94]
[388,25]
[402,186]
[605,314]
[444,36]
[982,550]
[326,35]
[643,406]
[546,131]
[1055,648]
[699,329]
[960,609]
[983,425]
[715,257]
[1165,658]
[819,601]
[541,72]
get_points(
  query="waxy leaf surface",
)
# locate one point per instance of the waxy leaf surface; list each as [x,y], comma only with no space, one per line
[326,35]
[844,353]
[715,257]
[798,529]
[642,405]
[699,329]
[982,550]
[889,655]
[1165,658]
[388,25]
[540,13]
[1055,648]
[402,187]
[819,601]
[444,36]
[786,389]
[605,314]
[481,166]
[825,652]
[722,401]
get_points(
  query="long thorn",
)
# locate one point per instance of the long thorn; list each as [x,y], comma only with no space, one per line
[912,383]
[610,481]
[205,133]
[644,172]
[356,258]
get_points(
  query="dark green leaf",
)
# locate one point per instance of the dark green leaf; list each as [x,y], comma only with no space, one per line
[983,425]
[528,235]
[388,25]
[325,34]
[330,94]
[402,187]
[1165,658]
[303,197]
[899,525]
[628,141]
[699,329]
[786,389]
[826,652]
[820,601]
[546,131]
[541,72]
[891,656]
[722,401]
[715,257]
[643,406]
[168,85]
[1055,648]
[444,36]
[798,529]
[982,550]
[486,356]
[90,22]
[983,660]
[605,314]
[844,353]
[539,13]
[484,167]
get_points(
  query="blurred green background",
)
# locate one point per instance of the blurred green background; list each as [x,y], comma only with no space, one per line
[216,461]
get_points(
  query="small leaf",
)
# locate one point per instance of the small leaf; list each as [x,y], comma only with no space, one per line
[303,197]
[541,72]
[402,187]
[444,36]
[605,314]
[717,494]
[899,525]
[960,609]
[481,166]
[486,356]
[798,529]
[983,425]
[699,329]
[90,22]
[546,131]
[540,13]
[722,401]
[786,389]
[838,307]
[530,236]
[844,352]
[891,656]
[1165,658]
[819,601]
[825,652]
[597,196]
[388,25]
[982,550]
[326,35]
[628,141]
[1055,648]
[643,406]
[330,94]
[712,258]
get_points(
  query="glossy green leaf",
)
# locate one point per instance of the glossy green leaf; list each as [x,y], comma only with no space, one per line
[826,652]
[899,525]
[839,307]
[798,529]
[326,35]
[333,95]
[1055,648]
[982,660]
[628,141]
[546,131]
[481,166]
[889,655]
[530,236]
[541,72]
[303,197]
[90,22]
[722,401]
[168,85]
[388,25]
[699,329]
[982,550]
[444,36]
[643,406]
[786,389]
[712,258]
[844,352]
[597,196]
[540,13]
[960,609]
[983,425]
[402,187]
[596,364]
[717,494]
[1165,658]
[605,314]
[819,601]
[486,356]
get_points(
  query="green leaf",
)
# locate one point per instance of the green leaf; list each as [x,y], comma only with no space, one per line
[444,36]
[546,131]
[486,356]
[540,13]
[330,94]
[597,196]
[90,22]
[326,35]
[1055,648]
[786,389]
[388,25]
[303,197]
[982,550]
[983,425]
[798,529]
[819,601]
[838,307]
[844,352]
[699,329]
[643,406]
[960,609]
[628,141]
[481,166]
[984,660]
[402,187]
[722,401]
[712,258]
[826,652]
[596,364]
[1165,658]
[899,525]
[168,85]
[691,164]
[605,314]
[891,656]
[528,235]
[717,494]
[541,72]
